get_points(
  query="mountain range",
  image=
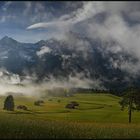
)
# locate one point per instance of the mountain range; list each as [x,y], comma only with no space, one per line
[80,56]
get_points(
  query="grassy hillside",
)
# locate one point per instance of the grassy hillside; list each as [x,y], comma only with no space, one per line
[98,116]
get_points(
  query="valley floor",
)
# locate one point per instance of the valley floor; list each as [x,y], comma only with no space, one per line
[98,116]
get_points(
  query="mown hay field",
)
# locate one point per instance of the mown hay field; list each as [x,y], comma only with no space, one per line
[98,116]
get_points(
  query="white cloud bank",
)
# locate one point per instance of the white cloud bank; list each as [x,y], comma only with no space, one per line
[12,84]
[43,50]
[114,27]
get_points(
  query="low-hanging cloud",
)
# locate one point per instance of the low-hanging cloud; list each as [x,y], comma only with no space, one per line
[17,85]
[116,26]
[43,50]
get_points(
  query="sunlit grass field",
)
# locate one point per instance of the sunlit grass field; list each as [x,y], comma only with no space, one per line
[98,116]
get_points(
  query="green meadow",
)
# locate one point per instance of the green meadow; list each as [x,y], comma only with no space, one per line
[98,116]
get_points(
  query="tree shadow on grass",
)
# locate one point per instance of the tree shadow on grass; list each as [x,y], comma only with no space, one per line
[29,112]
[92,108]
[46,112]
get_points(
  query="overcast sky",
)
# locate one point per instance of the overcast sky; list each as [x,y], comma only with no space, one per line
[33,21]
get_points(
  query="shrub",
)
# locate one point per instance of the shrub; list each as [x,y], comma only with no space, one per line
[72,105]
[39,102]
[58,101]
[23,107]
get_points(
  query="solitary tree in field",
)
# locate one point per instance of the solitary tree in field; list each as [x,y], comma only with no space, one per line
[131,100]
[9,103]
